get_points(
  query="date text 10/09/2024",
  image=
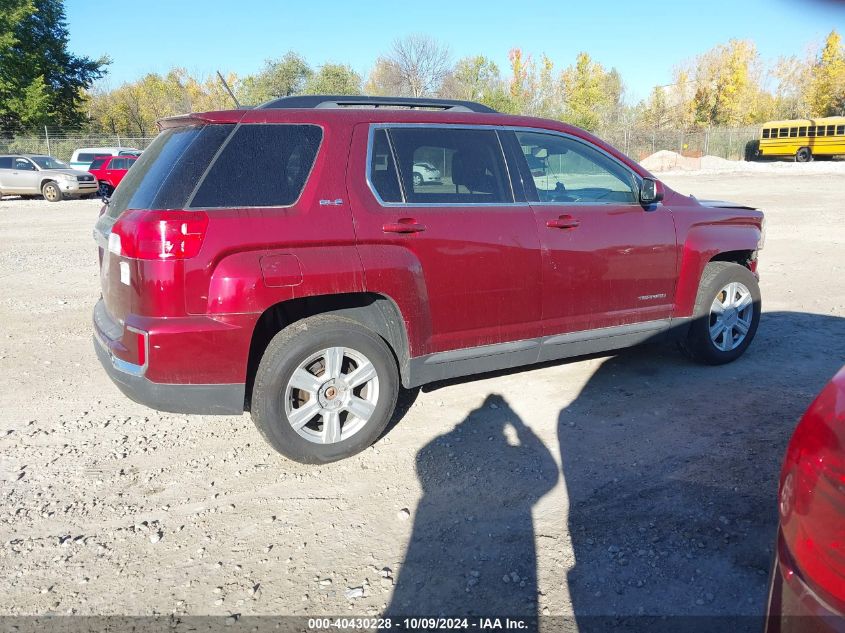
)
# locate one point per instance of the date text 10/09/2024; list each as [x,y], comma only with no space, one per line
[417,624]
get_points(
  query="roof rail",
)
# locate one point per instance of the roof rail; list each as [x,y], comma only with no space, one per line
[346,101]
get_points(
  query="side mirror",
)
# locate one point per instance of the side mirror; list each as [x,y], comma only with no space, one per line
[651,191]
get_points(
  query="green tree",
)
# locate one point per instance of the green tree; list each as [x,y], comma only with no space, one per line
[334,79]
[279,78]
[40,80]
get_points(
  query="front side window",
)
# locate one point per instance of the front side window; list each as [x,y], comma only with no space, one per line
[262,165]
[441,165]
[565,170]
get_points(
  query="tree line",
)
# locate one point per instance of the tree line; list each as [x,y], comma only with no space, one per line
[730,85]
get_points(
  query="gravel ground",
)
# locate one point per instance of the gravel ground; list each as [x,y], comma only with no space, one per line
[630,484]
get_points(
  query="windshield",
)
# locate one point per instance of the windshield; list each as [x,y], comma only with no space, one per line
[48,162]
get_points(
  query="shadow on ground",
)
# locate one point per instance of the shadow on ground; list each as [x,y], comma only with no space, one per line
[671,472]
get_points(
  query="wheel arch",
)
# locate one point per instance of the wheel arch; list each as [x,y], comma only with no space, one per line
[374,311]
[736,243]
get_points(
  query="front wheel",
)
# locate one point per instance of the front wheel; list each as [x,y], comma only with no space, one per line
[325,389]
[104,190]
[727,312]
[51,192]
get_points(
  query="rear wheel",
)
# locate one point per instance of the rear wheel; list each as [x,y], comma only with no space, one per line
[727,312]
[51,192]
[752,150]
[803,155]
[325,389]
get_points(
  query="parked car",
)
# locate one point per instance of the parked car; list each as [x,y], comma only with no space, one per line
[425,172]
[33,175]
[807,587]
[243,269]
[109,171]
[84,156]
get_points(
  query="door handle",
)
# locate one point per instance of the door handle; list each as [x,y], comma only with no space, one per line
[403,225]
[563,222]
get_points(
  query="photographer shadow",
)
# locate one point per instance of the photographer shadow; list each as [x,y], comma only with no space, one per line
[472,549]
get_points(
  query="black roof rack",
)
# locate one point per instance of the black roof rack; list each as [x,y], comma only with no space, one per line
[345,101]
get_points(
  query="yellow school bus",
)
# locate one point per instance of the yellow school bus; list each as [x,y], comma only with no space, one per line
[804,139]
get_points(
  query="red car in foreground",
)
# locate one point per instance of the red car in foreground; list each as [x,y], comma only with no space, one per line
[110,170]
[807,591]
[285,260]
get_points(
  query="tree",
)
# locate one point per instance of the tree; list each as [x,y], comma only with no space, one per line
[279,78]
[586,92]
[727,85]
[334,79]
[478,79]
[826,94]
[416,67]
[40,80]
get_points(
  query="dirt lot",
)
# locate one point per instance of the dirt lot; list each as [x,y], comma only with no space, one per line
[633,484]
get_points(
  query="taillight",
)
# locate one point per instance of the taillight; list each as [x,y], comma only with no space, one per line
[158,234]
[812,492]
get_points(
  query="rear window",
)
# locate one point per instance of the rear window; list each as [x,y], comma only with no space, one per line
[97,163]
[263,165]
[164,176]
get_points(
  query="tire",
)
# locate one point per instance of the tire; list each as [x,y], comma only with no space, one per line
[300,348]
[418,179]
[104,190]
[803,155]
[700,344]
[752,150]
[51,192]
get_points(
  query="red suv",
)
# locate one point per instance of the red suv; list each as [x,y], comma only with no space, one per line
[283,260]
[109,171]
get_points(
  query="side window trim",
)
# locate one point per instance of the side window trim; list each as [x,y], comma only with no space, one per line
[389,126]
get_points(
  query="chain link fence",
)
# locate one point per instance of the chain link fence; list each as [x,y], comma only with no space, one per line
[62,144]
[636,141]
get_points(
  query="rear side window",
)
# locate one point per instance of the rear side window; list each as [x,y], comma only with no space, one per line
[469,164]
[85,158]
[5,162]
[261,166]
[168,171]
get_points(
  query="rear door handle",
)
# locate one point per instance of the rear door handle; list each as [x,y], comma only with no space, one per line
[563,222]
[403,225]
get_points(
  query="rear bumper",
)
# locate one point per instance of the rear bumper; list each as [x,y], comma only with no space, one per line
[793,607]
[204,399]
[188,365]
